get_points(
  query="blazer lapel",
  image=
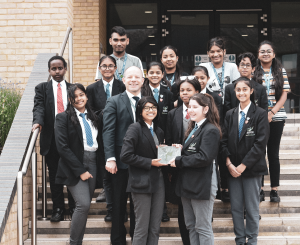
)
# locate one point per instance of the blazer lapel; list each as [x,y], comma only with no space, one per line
[235,124]
[178,120]
[161,98]
[126,101]
[250,114]
[115,89]
[149,136]
[79,131]
[194,135]
[101,93]
[50,96]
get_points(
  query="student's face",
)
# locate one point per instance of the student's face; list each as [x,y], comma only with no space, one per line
[57,70]
[245,68]
[149,112]
[169,59]
[216,54]
[202,78]
[243,92]
[186,91]
[266,53]
[196,111]
[154,75]
[107,68]
[80,100]
[133,80]
[118,42]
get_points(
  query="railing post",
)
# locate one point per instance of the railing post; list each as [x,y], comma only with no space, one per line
[44,190]
[33,208]
[71,57]
[20,207]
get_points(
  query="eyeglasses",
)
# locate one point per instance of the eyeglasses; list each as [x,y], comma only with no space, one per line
[110,67]
[242,65]
[153,108]
[269,51]
[182,78]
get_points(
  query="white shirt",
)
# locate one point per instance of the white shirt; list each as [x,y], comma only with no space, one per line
[184,110]
[93,129]
[111,82]
[152,125]
[133,101]
[158,88]
[245,111]
[201,122]
[63,86]
[203,91]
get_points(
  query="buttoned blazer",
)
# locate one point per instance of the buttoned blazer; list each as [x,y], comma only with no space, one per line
[250,148]
[97,96]
[44,113]
[138,150]
[231,101]
[69,142]
[195,165]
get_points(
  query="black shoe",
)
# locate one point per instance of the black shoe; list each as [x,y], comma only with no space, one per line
[259,217]
[165,218]
[262,195]
[57,215]
[274,197]
[126,217]
[101,197]
[71,212]
[212,219]
[225,196]
[108,217]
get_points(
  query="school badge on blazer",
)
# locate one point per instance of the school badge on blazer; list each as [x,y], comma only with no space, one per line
[250,131]
[165,110]
[192,147]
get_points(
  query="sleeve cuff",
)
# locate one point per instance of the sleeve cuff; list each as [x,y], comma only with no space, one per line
[111,159]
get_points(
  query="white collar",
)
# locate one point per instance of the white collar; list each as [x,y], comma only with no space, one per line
[110,82]
[78,112]
[184,107]
[150,125]
[62,83]
[245,109]
[154,88]
[203,91]
[201,122]
[130,95]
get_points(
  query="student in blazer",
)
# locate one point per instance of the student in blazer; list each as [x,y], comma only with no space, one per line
[47,104]
[246,133]
[145,182]
[77,140]
[98,93]
[197,181]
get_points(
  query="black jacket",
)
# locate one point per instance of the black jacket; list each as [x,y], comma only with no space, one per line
[165,104]
[174,132]
[250,148]
[230,100]
[196,162]
[218,102]
[97,96]
[138,150]
[44,113]
[69,141]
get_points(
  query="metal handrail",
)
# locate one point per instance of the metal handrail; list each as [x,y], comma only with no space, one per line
[30,155]
[68,36]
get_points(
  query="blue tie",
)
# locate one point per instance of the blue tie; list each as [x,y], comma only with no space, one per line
[191,133]
[242,121]
[88,131]
[155,94]
[151,130]
[107,91]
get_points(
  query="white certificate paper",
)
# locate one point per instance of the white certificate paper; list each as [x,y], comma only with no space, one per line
[167,153]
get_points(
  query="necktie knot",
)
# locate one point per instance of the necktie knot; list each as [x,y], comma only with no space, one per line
[82,115]
[136,98]
[155,90]
[58,85]
[243,114]
[187,116]
[88,130]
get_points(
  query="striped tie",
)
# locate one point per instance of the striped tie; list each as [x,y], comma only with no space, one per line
[155,94]
[191,133]
[60,104]
[107,91]
[242,121]
[88,131]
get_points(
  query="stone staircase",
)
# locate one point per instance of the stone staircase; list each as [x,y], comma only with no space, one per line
[280,223]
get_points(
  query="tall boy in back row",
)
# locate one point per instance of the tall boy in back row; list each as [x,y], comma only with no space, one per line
[49,100]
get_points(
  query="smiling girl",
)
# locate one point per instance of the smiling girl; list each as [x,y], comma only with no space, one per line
[246,133]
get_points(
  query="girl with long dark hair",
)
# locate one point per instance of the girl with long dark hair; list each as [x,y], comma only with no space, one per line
[197,182]
[78,144]
[243,147]
[145,180]
[270,73]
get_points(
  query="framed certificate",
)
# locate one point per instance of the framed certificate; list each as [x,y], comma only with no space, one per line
[167,153]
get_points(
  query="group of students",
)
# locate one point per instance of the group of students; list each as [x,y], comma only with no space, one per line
[222,116]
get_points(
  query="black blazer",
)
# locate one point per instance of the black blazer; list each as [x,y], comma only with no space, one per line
[196,162]
[219,103]
[174,132]
[44,113]
[165,104]
[69,141]
[97,96]
[230,100]
[250,148]
[138,150]
[117,116]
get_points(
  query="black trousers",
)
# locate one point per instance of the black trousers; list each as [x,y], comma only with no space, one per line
[276,129]
[223,172]
[182,227]
[57,193]
[119,202]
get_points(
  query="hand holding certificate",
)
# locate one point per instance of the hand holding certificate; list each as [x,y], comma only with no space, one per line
[168,153]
